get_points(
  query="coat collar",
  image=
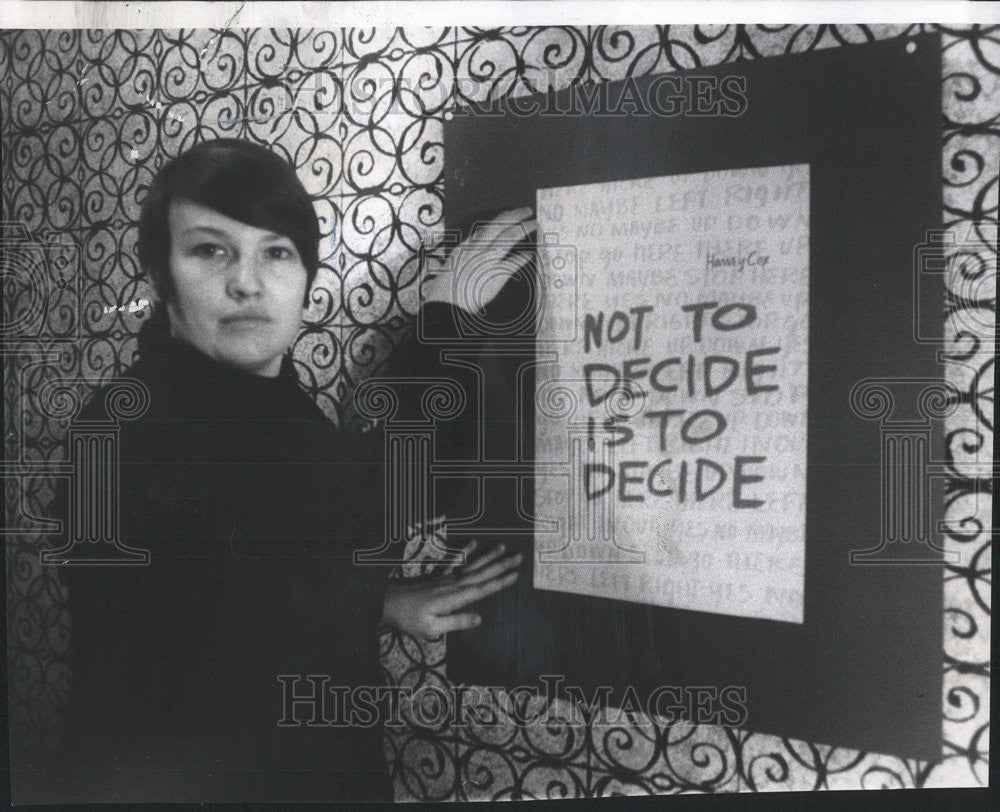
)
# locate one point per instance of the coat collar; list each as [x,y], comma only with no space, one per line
[187,372]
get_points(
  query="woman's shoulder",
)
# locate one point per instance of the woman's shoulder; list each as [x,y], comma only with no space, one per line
[124,397]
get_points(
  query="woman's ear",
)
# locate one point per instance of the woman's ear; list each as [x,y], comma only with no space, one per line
[170,317]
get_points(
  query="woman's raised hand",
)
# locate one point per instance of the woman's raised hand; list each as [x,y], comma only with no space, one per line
[430,608]
[477,268]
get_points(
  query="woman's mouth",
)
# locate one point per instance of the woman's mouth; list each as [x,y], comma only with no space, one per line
[245,319]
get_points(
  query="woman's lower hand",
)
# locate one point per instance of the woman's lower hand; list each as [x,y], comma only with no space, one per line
[430,608]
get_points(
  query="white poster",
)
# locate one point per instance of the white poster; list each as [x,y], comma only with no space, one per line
[671,427]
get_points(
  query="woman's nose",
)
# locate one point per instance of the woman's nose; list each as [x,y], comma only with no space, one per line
[244,278]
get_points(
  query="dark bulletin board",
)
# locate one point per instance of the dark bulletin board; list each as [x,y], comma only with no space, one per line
[864,669]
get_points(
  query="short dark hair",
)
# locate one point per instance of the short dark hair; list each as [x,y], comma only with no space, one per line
[242,180]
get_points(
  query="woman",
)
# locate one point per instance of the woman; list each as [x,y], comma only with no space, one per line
[251,506]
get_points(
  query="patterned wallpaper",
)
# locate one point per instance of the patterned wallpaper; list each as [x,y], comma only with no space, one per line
[89,116]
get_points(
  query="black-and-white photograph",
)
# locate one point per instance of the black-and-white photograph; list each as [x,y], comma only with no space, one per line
[472,407]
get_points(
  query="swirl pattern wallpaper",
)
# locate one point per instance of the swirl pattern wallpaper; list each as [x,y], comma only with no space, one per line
[88,117]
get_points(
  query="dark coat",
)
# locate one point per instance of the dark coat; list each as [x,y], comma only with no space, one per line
[251,505]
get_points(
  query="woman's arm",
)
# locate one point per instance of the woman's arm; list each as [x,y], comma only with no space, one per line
[469,279]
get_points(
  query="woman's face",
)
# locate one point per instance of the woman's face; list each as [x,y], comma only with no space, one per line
[238,290]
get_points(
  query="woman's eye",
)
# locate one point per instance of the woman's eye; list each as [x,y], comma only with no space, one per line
[279,252]
[208,250]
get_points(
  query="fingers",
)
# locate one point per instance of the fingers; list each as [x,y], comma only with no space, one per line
[506,220]
[459,560]
[520,213]
[487,572]
[470,594]
[456,623]
[484,558]
[515,233]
